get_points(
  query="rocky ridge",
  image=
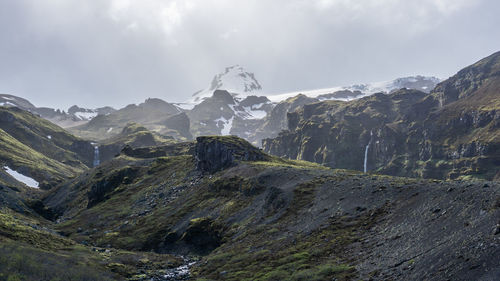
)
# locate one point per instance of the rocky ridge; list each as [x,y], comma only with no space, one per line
[240,214]
[450,133]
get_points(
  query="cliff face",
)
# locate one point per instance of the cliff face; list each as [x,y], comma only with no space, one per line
[452,132]
[276,121]
[214,153]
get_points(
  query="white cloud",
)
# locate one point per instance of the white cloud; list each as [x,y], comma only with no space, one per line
[228,34]
[414,15]
[150,15]
[109,51]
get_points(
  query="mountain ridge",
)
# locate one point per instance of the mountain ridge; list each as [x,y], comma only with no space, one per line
[451,132]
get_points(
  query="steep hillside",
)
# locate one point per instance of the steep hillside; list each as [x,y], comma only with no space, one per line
[225,114]
[31,250]
[250,216]
[74,117]
[35,150]
[38,149]
[275,121]
[451,132]
[155,114]
[132,135]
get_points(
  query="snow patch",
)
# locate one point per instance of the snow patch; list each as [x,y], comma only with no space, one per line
[185,105]
[7,103]
[227,124]
[21,178]
[85,115]
[254,114]
[248,112]
[109,130]
[367,89]
[234,79]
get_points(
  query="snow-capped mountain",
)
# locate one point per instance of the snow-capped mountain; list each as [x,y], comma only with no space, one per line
[234,103]
[422,83]
[234,79]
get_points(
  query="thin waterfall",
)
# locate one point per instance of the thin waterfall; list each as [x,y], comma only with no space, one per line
[366,152]
[96,156]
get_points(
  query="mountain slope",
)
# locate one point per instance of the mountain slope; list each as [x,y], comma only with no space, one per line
[451,132]
[36,148]
[234,79]
[30,248]
[422,83]
[133,135]
[256,217]
[153,114]
[211,112]
[225,114]
[75,115]
[275,121]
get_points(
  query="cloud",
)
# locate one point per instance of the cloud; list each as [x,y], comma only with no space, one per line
[150,15]
[122,51]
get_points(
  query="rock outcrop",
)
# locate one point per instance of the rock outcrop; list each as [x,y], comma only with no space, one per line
[179,123]
[453,132]
[107,184]
[213,153]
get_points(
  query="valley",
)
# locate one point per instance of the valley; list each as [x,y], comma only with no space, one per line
[384,181]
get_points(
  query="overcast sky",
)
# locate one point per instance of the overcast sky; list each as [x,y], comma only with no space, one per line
[114,52]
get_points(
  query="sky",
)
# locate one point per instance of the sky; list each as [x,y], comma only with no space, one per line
[94,53]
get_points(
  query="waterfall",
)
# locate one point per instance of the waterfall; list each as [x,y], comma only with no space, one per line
[96,156]
[366,152]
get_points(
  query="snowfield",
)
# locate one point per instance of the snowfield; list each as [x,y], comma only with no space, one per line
[21,178]
[227,124]
[85,115]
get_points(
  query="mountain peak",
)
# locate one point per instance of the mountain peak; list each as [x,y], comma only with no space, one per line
[234,79]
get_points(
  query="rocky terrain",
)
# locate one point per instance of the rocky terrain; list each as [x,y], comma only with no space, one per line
[233,104]
[73,117]
[452,132]
[39,149]
[225,114]
[146,200]
[155,114]
[221,209]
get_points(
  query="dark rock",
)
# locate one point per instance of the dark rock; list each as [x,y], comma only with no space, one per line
[100,189]
[407,132]
[213,154]
[203,234]
[179,122]
[496,230]
[39,207]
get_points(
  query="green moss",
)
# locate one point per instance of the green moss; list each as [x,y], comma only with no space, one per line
[276,275]
[257,255]
[16,154]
